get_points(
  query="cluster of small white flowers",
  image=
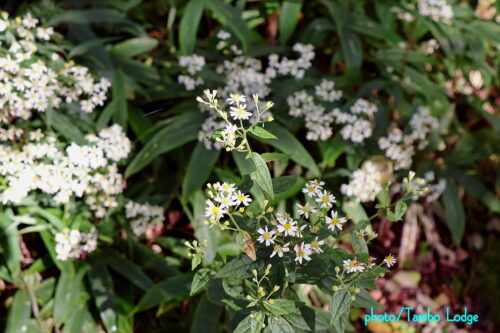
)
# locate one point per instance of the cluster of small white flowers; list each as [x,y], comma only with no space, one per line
[326,91]
[430,46]
[72,243]
[434,190]
[317,121]
[403,15]
[357,126]
[365,183]
[88,170]
[31,81]
[246,75]
[192,64]
[144,217]
[222,198]
[435,9]
[400,148]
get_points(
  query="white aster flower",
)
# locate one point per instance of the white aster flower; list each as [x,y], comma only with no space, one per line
[334,221]
[326,199]
[353,265]
[288,227]
[306,209]
[280,249]
[302,251]
[266,236]
[390,260]
[315,245]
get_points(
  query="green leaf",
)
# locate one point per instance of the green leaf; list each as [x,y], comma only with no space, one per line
[201,230]
[261,175]
[127,269]
[188,27]
[88,16]
[454,211]
[120,100]
[134,46]
[278,325]
[101,285]
[280,306]
[230,16]
[400,210]
[238,268]
[351,48]
[341,302]
[200,280]
[355,211]
[66,294]
[248,325]
[19,313]
[152,260]
[278,157]
[179,130]
[206,317]
[364,300]
[65,126]
[262,133]
[289,16]
[288,144]
[172,289]
[477,189]
[84,48]
[9,244]
[199,168]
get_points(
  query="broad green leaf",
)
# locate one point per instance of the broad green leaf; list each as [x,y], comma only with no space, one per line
[200,280]
[202,231]
[101,284]
[341,302]
[454,211]
[289,16]
[89,16]
[230,16]
[364,300]
[19,313]
[286,186]
[288,144]
[66,294]
[206,317]
[127,269]
[279,157]
[120,100]
[262,133]
[199,168]
[248,325]
[279,307]
[134,46]
[85,47]
[188,27]
[65,126]
[179,131]
[9,243]
[351,48]
[238,268]
[278,325]
[172,289]
[261,175]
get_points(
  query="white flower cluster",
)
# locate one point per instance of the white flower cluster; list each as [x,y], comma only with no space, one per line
[224,198]
[89,171]
[434,190]
[435,9]
[357,123]
[246,75]
[317,121]
[400,147]
[143,217]
[193,64]
[31,81]
[365,183]
[72,243]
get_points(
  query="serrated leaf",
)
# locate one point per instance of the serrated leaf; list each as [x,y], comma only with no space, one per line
[280,307]
[340,303]
[238,268]
[200,280]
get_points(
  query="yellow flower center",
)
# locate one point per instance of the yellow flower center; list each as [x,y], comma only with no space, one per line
[287,226]
[335,220]
[215,210]
[241,197]
[314,244]
[266,235]
[240,111]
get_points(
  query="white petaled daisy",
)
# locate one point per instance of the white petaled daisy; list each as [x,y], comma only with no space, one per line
[242,199]
[315,245]
[302,251]
[317,183]
[310,190]
[299,231]
[228,188]
[306,209]
[288,227]
[361,233]
[214,211]
[225,201]
[266,236]
[283,217]
[280,249]
[236,98]
[334,221]
[390,260]
[239,112]
[353,265]
[326,199]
